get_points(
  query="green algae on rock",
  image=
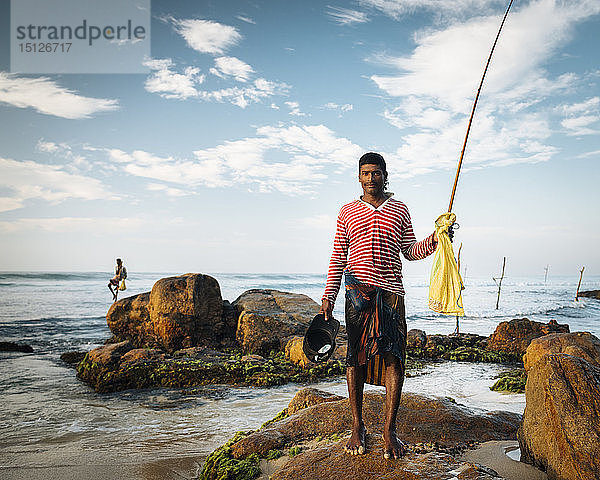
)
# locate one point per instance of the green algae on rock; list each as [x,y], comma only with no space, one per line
[510,381]
[462,347]
[220,465]
[204,369]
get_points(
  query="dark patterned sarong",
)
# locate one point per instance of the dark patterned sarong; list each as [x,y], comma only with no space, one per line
[375,322]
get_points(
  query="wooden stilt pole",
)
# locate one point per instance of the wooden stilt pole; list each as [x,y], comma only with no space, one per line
[456,330]
[546,274]
[499,283]
[579,284]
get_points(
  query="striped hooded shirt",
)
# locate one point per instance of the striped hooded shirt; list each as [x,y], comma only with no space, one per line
[368,242]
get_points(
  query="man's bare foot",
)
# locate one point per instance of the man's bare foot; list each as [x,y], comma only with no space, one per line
[392,446]
[357,443]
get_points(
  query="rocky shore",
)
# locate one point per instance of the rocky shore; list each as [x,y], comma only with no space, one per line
[184,334]
[559,432]
[310,434]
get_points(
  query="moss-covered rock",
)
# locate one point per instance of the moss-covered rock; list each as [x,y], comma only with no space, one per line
[211,368]
[463,347]
[221,465]
[316,432]
[511,381]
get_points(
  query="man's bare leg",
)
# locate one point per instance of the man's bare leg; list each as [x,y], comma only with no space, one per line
[355,377]
[394,379]
[114,293]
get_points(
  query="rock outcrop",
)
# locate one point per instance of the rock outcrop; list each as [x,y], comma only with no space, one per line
[15,347]
[420,420]
[268,316]
[590,294]
[129,319]
[186,311]
[120,366]
[560,432]
[179,312]
[579,344]
[516,335]
[330,462]
[435,429]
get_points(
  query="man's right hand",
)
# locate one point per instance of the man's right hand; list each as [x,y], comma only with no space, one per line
[326,309]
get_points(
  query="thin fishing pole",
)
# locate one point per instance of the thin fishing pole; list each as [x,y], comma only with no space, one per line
[462,153]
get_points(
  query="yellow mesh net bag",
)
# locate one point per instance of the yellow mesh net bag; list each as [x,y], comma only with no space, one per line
[445,283]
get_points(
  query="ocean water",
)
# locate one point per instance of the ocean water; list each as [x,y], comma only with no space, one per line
[49,418]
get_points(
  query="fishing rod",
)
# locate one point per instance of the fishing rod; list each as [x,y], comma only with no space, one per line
[462,153]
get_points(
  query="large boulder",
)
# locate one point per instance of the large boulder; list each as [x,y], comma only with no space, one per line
[420,420]
[579,344]
[179,312]
[266,317]
[186,311]
[516,335]
[560,432]
[129,319]
[102,361]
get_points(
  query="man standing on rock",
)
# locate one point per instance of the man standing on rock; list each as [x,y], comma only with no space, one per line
[371,233]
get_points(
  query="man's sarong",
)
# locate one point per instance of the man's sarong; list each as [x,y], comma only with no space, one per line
[375,322]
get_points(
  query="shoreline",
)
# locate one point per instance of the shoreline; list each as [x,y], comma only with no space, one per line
[492,454]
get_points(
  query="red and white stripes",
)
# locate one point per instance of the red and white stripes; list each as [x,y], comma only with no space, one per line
[368,243]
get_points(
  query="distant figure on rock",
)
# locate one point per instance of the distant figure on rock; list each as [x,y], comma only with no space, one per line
[372,232]
[118,279]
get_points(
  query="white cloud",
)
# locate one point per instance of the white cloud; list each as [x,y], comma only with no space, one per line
[30,180]
[243,18]
[399,8]
[50,147]
[205,36]
[232,67]
[87,225]
[347,107]
[170,191]
[346,16]
[295,109]
[581,116]
[577,126]
[290,160]
[47,97]
[242,97]
[589,105]
[169,84]
[435,86]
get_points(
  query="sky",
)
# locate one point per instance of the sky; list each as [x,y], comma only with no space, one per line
[237,148]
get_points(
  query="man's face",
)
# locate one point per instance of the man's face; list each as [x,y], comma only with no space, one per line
[372,179]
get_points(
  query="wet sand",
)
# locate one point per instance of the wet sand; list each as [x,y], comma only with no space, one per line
[180,468]
[492,454]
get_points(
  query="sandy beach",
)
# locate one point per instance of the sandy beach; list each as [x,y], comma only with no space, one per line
[492,454]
